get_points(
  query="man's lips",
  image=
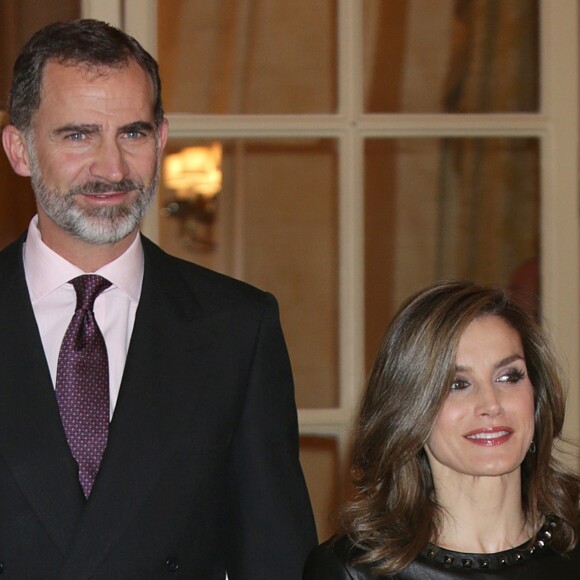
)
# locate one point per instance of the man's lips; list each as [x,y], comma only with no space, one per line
[106,196]
[104,190]
[489,436]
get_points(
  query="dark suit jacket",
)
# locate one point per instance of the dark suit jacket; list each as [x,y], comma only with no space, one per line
[201,471]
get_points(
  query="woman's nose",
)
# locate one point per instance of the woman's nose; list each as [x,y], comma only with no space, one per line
[488,401]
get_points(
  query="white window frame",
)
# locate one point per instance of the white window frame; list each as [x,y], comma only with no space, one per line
[556,126]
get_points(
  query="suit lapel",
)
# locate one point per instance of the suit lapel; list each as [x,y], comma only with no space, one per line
[33,443]
[142,428]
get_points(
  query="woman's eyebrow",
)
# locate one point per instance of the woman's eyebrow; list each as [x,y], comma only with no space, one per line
[504,361]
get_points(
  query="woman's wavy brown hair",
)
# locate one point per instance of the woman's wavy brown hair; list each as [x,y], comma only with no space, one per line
[394,513]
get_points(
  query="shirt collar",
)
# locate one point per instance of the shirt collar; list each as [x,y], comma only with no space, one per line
[46,270]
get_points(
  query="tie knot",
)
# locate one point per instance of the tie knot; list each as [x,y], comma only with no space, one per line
[88,287]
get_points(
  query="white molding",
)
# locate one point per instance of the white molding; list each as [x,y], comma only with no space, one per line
[560,178]
[108,10]
[403,125]
[330,420]
[351,207]
[140,17]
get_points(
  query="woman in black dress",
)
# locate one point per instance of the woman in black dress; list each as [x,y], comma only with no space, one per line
[453,463]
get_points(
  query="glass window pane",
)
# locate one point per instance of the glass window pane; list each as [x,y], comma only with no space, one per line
[454,56]
[248,57]
[275,226]
[448,208]
[321,464]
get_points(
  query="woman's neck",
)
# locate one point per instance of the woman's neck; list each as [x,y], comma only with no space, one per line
[482,514]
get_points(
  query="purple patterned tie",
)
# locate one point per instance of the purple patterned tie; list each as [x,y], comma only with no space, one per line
[82,382]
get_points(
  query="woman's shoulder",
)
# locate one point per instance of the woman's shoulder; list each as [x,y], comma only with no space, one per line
[568,564]
[538,562]
[332,560]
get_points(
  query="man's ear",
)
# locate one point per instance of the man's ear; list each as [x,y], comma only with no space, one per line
[16,150]
[162,132]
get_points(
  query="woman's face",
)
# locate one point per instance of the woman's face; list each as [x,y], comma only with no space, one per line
[486,424]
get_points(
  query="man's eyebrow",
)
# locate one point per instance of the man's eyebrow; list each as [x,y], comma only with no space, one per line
[137,126]
[84,128]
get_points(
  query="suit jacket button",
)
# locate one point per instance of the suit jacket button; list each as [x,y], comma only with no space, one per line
[1,567]
[172,565]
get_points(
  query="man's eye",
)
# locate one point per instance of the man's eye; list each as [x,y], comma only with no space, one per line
[511,376]
[459,384]
[76,136]
[134,134]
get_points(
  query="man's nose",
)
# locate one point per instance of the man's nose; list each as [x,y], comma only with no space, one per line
[110,163]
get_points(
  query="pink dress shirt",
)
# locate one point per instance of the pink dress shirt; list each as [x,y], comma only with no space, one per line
[54,300]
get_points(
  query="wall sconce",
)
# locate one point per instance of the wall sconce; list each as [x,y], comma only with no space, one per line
[195,174]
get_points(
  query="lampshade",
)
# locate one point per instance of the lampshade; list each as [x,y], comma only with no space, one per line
[194,171]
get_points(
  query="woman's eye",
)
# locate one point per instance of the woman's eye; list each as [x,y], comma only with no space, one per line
[459,384]
[511,376]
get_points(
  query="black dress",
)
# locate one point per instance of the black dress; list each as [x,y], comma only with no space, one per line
[331,561]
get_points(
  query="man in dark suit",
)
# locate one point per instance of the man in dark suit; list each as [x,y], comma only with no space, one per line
[195,473]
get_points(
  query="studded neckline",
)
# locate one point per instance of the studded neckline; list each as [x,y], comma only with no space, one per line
[498,560]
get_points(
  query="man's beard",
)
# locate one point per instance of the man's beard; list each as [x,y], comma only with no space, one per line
[94,225]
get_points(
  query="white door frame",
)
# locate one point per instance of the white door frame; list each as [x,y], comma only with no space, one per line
[556,126]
